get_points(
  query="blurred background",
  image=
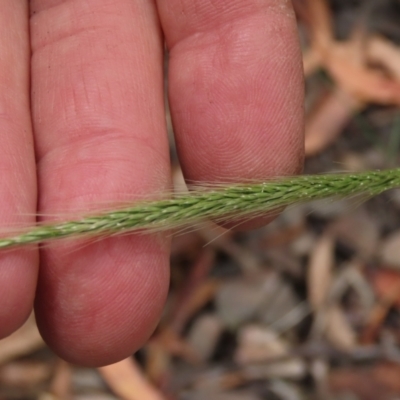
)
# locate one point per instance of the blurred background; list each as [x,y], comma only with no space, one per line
[305,308]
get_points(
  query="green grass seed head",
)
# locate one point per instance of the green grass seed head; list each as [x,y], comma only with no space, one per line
[218,202]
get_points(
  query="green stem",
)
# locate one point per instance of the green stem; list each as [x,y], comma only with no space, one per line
[220,203]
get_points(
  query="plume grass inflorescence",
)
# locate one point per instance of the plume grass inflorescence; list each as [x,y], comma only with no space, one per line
[219,202]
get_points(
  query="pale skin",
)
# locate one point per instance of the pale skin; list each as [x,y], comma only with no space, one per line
[82,122]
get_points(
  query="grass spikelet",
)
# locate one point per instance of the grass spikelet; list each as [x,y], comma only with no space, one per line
[220,202]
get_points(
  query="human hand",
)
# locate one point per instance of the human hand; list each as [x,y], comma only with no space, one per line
[97,114]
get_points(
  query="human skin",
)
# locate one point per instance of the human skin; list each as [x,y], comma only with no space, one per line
[82,122]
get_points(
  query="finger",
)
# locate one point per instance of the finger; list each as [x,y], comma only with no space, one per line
[18,269]
[99,119]
[236,87]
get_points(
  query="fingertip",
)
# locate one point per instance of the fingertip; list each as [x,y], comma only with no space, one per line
[18,275]
[105,300]
[236,88]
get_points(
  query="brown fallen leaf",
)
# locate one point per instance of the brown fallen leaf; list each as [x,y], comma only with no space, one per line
[61,384]
[347,61]
[364,83]
[204,335]
[327,120]
[358,231]
[320,21]
[127,381]
[385,53]
[352,66]
[239,300]
[338,330]
[158,361]
[390,250]
[319,272]
[257,343]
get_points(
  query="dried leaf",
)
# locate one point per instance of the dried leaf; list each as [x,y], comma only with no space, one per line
[319,274]
[358,231]
[257,344]
[362,82]
[61,383]
[204,335]
[390,250]
[328,119]
[338,330]
[128,382]
[238,300]
[320,20]
[385,53]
